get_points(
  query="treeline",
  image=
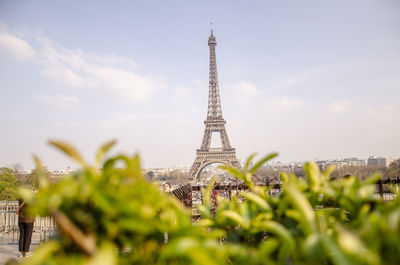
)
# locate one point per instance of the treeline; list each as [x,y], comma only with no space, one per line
[173,177]
[269,175]
[12,178]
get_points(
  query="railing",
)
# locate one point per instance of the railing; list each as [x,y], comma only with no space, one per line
[43,227]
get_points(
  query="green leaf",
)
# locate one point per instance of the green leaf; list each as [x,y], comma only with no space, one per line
[312,246]
[26,194]
[279,230]
[284,178]
[207,193]
[372,179]
[394,220]
[234,216]
[70,151]
[233,171]
[106,255]
[41,170]
[204,211]
[103,150]
[136,168]
[329,170]
[260,202]
[248,161]
[336,254]
[261,162]
[301,203]
[313,174]
[349,242]
[38,163]
[367,191]
[43,253]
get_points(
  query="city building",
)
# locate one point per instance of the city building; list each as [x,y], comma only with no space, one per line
[339,163]
[378,161]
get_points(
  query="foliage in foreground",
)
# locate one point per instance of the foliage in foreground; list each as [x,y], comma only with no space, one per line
[114,216]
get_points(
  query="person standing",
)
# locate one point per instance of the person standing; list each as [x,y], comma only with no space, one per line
[25,223]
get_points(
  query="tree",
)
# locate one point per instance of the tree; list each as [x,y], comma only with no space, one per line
[17,169]
[177,174]
[394,169]
[8,185]
[174,177]
[362,172]
[32,180]
[150,175]
[267,176]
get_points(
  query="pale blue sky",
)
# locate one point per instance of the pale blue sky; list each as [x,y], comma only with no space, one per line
[309,79]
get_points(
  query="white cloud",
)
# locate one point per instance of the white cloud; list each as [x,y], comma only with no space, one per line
[245,89]
[108,73]
[59,101]
[283,103]
[183,92]
[244,93]
[16,48]
[112,74]
[116,122]
[63,74]
[248,96]
[383,113]
[338,106]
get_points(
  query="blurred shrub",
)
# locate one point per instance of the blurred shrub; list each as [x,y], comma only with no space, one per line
[112,215]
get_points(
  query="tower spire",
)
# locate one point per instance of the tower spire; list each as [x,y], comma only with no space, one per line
[214,111]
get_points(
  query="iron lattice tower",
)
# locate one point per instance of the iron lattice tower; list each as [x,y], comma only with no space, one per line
[214,123]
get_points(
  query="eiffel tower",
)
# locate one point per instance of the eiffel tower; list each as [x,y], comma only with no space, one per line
[214,123]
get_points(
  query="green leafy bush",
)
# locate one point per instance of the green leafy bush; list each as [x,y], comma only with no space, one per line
[314,220]
[112,215]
